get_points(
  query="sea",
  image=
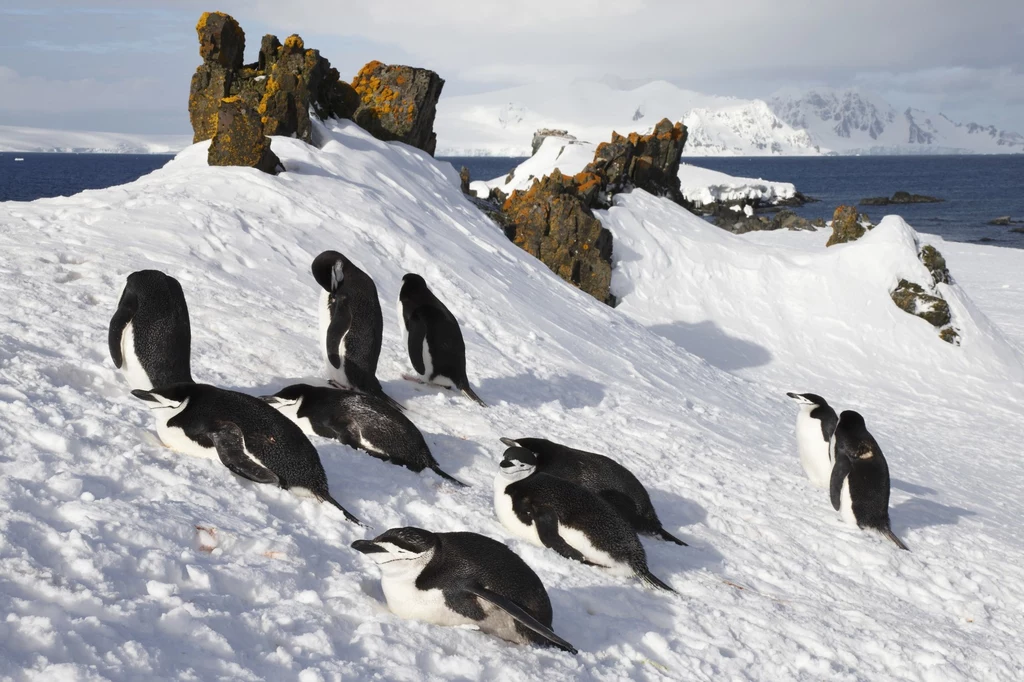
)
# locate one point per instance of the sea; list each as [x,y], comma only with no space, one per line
[974,189]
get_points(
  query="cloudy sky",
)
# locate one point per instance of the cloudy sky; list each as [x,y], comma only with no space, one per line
[124,66]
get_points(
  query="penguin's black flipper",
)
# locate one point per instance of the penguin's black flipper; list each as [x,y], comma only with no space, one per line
[665,535]
[547,531]
[437,470]
[417,328]
[326,497]
[840,470]
[227,438]
[126,308]
[892,536]
[521,615]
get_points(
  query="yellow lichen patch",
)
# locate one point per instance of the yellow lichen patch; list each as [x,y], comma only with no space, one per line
[293,43]
[230,100]
[202,21]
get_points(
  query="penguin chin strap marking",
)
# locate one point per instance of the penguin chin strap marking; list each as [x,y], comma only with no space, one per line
[337,275]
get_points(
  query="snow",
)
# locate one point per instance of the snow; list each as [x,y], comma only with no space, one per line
[699,185]
[122,560]
[19,139]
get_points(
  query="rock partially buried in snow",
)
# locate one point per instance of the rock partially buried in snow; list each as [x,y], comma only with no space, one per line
[936,264]
[544,133]
[845,226]
[239,139]
[912,298]
[650,162]
[398,103]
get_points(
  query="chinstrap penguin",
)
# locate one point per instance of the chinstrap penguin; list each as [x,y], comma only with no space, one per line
[462,579]
[860,477]
[359,420]
[250,438]
[576,523]
[351,324]
[814,426]
[149,337]
[433,337]
[600,475]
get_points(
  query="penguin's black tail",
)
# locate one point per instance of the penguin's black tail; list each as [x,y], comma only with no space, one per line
[437,470]
[892,536]
[654,581]
[326,497]
[468,390]
[665,535]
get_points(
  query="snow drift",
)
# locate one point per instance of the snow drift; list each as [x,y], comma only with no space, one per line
[121,560]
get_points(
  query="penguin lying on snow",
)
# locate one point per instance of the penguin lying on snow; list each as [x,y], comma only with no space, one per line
[351,324]
[149,336]
[358,420]
[249,437]
[462,579]
[433,337]
[814,427]
[600,475]
[860,477]
[576,523]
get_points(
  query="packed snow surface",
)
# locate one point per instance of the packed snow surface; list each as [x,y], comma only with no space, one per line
[18,139]
[120,559]
[699,185]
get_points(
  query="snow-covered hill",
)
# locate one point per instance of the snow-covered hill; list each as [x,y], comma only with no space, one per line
[121,560]
[19,139]
[502,123]
[853,121]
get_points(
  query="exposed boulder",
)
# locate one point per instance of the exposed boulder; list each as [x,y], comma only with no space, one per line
[544,133]
[900,198]
[1001,220]
[787,220]
[398,103]
[912,298]
[818,222]
[553,221]
[936,265]
[845,226]
[239,139]
[650,162]
[464,180]
[221,40]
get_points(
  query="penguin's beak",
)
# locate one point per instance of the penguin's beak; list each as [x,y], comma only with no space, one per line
[367,547]
[794,396]
[509,442]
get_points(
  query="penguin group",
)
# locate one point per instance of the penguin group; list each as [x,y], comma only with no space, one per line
[584,506]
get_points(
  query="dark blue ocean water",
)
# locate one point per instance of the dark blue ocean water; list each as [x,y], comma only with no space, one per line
[976,189]
[54,175]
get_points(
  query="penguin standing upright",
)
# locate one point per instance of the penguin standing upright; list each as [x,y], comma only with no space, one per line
[814,426]
[576,523]
[358,420]
[149,337]
[860,477]
[462,579]
[600,475]
[351,324]
[433,337]
[249,437]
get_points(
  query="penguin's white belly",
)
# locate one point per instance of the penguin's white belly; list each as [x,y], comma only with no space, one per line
[174,437]
[579,541]
[292,412]
[846,504]
[814,451]
[407,601]
[336,374]
[130,364]
[508,518]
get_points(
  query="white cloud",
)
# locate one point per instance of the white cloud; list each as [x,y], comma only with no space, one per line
[38,94]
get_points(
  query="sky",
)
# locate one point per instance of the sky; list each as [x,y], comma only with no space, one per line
[125,66]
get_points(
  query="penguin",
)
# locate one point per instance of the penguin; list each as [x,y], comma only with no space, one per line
[351,324]
[248,436]
[149,337]
[576,523]
[462,579]
[814,426]
[433,337]
[360,421]
[860,477]
[602,476]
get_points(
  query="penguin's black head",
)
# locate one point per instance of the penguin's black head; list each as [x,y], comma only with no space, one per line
[171,396]
[859,443]
[397,544]
[289,395]
[412,280]
[808,399]
[518,463]
[329,270]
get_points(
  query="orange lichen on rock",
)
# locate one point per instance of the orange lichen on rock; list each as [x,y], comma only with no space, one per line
[398,103]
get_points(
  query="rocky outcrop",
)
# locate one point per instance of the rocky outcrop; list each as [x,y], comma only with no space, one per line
[650,162]
[398,103]
[287,81]
[900,198]
[936,265]
[544,133]
[553,221]
[464,180]
[741,220]
[926,301]
[845,226]
[239,138]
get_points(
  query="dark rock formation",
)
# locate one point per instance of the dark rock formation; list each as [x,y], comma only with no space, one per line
[650,162]
[553,221]
[734,219]
[239,139]
[464,180]
[845,227]
[1001,220]
[912,298]
[900,198]
[398,103]
[818,222]
[936,265]
[283,85]
[787,220]
[544,133]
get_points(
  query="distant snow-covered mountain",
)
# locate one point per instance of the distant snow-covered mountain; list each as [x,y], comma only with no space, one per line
[20,139]
[853,121]
[501,123]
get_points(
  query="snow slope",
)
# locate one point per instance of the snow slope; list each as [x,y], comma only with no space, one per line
[502,123]
[853,121]
[699,185]
[120,560]
[19,139]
